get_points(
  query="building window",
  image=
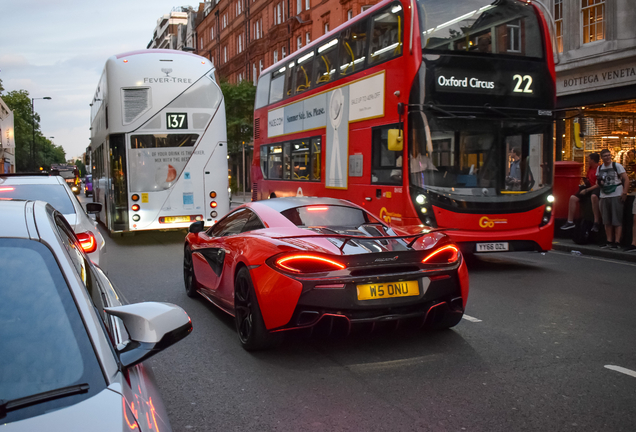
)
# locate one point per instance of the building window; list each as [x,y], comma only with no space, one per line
[349,14]
[225,54]
[279,13]
[593,20]
[558,21]
[211,33]
[254,73]
[239,43]
[299,6]
[260,66]
[299,42]
[282,52]
[307,4]
[224,21]
[201,44]
[326,27]
[307,38]
[275,56]
[239,7]
[363,8]
[514,36]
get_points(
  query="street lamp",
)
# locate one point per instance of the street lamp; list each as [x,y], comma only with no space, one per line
[33,164]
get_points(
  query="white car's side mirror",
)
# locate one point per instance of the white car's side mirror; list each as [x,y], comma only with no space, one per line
[152,327]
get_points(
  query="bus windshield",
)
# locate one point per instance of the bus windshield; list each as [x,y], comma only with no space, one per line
[478,157]
[480,26]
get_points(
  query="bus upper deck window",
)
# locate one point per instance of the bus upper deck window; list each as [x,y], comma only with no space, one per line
[303,72]
[325,62]
[353,48]
[262,91]
[386,36]
[289,75]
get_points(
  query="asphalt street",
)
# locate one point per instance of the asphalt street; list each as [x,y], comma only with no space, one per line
[547,344]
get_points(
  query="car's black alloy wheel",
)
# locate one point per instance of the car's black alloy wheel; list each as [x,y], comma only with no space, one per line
[250,326]
[188,274]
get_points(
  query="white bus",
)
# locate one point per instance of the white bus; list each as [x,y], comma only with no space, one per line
[158,142]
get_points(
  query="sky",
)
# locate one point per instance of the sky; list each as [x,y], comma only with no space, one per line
[59,48]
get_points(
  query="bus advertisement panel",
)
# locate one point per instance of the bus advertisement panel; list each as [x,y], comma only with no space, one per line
[158,142]
[429,113]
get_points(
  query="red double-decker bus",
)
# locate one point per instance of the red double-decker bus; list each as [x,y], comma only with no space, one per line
[430,113]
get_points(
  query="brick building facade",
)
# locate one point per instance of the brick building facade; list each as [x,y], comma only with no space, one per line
[244,37]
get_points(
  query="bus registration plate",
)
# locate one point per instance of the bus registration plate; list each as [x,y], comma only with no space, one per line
[492,247]
[388,290]
[176,219]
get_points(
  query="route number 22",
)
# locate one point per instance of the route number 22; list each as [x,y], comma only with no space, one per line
[520,80]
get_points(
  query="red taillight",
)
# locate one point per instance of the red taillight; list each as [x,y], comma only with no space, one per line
[87,241]
[213,204]
[6,189]
[444,255]
[303,263]
[135,207]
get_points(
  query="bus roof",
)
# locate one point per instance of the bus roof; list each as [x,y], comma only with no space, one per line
[154,51]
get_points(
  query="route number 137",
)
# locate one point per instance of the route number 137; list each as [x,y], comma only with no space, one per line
[520,80]
[177,121]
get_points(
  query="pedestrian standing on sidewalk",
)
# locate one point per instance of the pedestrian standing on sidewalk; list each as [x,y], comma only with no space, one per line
[590,191]
[613,181]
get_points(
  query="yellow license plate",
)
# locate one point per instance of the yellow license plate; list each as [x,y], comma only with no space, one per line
[388,290]
[176,219]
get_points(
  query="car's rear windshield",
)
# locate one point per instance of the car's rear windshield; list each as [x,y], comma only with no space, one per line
[89,178]
[54,194]
[328,216]
[44,344]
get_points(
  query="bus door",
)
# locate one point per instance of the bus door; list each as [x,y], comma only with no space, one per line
[118,190]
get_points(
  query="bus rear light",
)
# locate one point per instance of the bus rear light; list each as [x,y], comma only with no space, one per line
[136,218]
[213,204]
[87,241]
[213,214]
[135,207]
[198,218]
[445,255]
[212,194]
[135,197]
[306,263]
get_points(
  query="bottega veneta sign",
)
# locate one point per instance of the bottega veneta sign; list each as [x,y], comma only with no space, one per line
[597,79]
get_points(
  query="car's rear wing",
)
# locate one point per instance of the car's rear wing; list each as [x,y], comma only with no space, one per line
[348,237]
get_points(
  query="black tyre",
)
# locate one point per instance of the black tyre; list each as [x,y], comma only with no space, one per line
[189,279]
[249,321]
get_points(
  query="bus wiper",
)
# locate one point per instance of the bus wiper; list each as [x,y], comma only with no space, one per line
[495,110]
[438,109]
[11,405]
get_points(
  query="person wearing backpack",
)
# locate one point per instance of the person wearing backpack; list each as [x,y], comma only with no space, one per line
[613,181]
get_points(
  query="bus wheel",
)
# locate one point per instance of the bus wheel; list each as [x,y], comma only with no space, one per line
[250,326]
[272,195]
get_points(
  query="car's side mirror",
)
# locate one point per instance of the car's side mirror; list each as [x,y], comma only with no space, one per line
[152,327]
[196,227]
[93,207]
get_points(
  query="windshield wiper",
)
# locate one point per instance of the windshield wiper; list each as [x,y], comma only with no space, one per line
[11,405]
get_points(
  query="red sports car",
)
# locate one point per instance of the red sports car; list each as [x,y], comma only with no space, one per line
[291,263]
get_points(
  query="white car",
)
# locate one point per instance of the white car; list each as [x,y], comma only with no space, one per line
[54,190]
[71,351]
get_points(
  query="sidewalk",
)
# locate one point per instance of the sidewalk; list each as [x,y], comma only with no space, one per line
[239,198]
[592,249]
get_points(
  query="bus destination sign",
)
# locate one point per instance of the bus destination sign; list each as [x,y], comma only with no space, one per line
[500,84]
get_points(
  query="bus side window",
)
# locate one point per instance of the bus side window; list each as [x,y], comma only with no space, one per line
[262,91]
[316,151]
[325,62]
[276,87]
[289,79]
[275,162]
[387,34]
[353,48]
[264,161]
[301,160]
[286,161]
[303,72]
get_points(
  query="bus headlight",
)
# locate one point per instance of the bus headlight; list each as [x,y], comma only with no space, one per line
[420,199]
[550,198]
